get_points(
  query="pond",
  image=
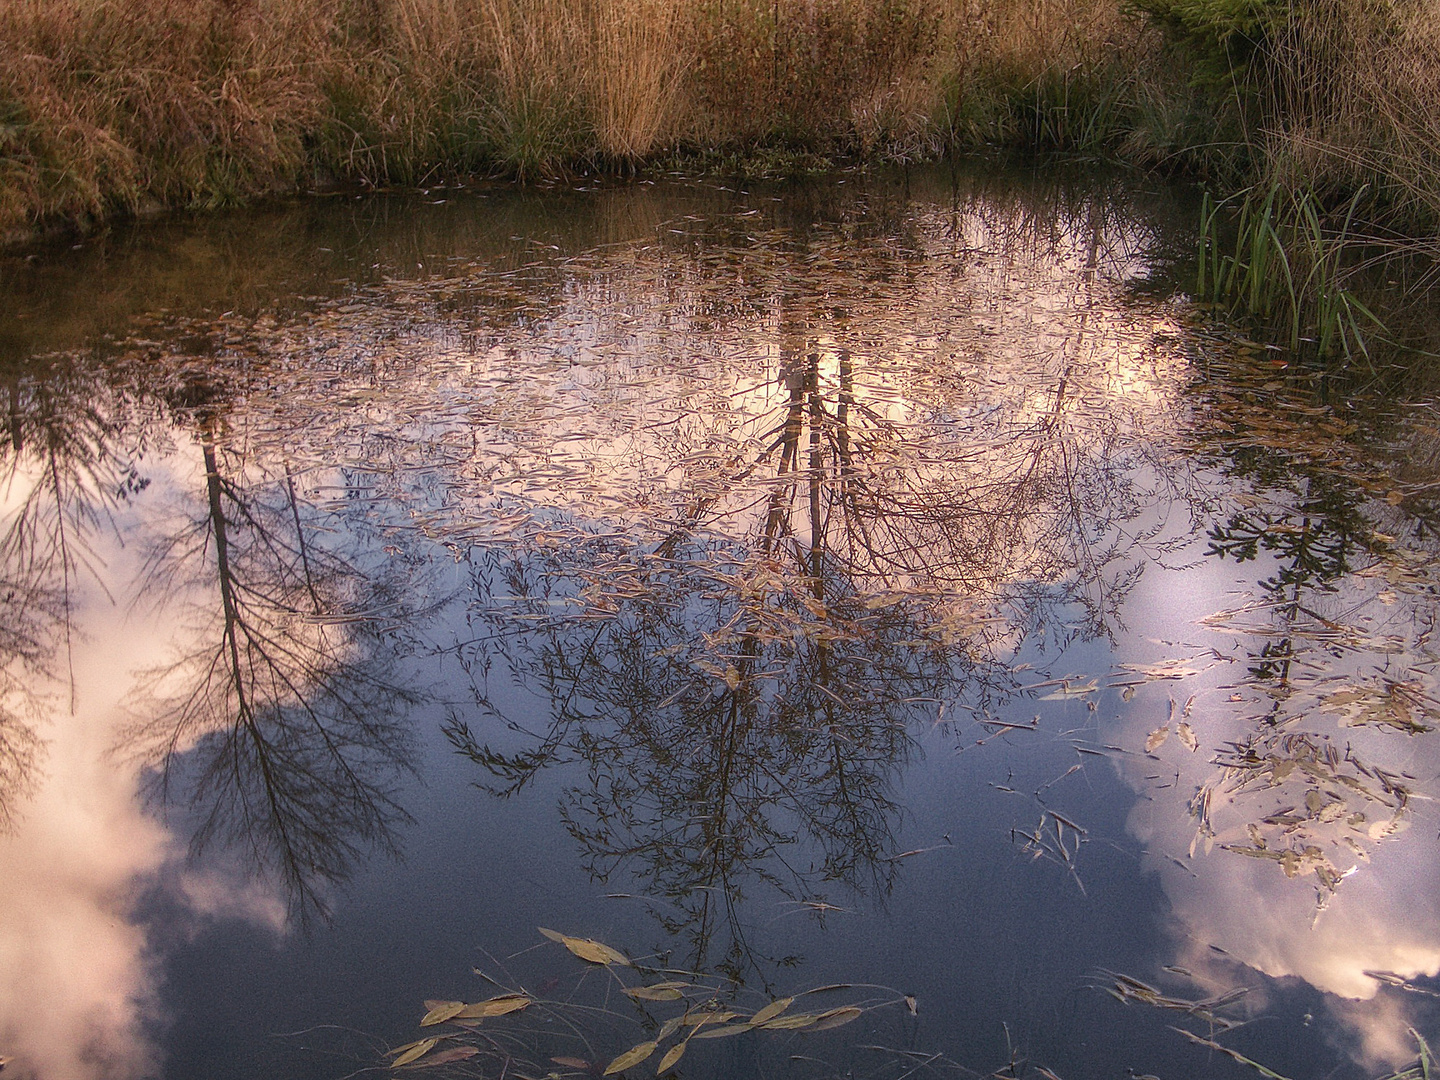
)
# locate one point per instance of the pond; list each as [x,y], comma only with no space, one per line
[491,632]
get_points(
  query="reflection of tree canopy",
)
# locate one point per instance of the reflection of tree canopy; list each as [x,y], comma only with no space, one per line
[281,723]
[741,687]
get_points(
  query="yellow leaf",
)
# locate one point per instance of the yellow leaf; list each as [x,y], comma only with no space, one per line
[444,1010]
[722,1031]
[633,1056]
[791,1023]
[1156,738]
[414,1050]
[654,993]
[587,949]
[496,1006]
[445,1057]
[835,1017]
[1187,736]
[774,1009]
[674,1054]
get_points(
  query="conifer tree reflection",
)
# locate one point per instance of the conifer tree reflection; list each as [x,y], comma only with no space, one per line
[281,728]
[1315,657]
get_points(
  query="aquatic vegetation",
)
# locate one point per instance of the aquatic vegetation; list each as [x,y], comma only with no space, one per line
[674,1009]
[1287,271]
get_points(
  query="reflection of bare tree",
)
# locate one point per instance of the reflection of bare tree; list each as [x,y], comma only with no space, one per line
[66,468]
[741,690]
[282,725]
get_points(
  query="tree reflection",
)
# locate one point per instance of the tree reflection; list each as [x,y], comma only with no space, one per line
[1284,791]
[741,690]
[67,467]
[281,727]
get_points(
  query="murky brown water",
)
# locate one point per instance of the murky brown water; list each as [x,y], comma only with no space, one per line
[885,593]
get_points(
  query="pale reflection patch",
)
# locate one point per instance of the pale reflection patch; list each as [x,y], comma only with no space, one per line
[1383,915]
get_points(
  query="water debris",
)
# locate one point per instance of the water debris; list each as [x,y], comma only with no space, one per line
[631,1057]
[1234,1055]
[413,1051]
[587,949]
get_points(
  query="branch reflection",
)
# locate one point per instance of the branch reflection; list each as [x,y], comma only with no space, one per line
[741,690]
[282,727]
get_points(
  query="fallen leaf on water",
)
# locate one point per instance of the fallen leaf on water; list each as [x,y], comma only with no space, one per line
[412,1051]
[674,1054]
[587,949]
[442,1011]
[835,1017]
[496,1006]
[774,1009]
[723,1031]
[1187,736]
[654,993]
[633,1056]
[445,1057]
[1156,738]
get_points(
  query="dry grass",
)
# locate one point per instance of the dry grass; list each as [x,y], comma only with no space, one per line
[112,105]
[1356,103]
[105,104]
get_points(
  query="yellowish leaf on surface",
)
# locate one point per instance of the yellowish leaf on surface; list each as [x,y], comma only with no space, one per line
[654,993]
[674,1054]
[774,1009]
[496,1006]
[835,1017]
[414,1051]
[442,1011]
[633,1056]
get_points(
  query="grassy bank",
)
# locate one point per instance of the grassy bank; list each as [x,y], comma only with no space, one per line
[116,106]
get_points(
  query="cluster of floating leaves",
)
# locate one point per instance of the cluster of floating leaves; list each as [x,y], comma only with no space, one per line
[701,1009]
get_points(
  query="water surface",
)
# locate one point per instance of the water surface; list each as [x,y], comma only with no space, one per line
[886,592]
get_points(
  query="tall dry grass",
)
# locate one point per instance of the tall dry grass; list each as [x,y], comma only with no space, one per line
[107,104]
[112,105]
[1354,102]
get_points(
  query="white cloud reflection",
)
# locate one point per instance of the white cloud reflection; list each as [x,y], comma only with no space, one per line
[78,981]
[1384,916]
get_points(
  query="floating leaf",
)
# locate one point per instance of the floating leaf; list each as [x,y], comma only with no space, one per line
[655,993]
[1156,738]
[1187,736]
[496,1006]
[445,1057]
[791,1023]
[722,1031]
[633,1056]
[669,1028]
[774,1009]
[674,1054]
[572,1062]
[442,1011]
[835,1017]
[1068,691]
[587,949]
[412,1051]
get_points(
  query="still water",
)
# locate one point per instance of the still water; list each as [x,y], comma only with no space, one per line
[886,593]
